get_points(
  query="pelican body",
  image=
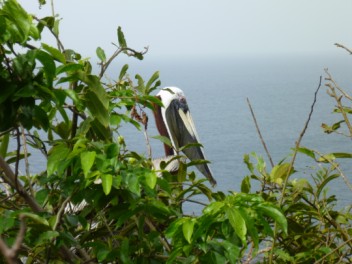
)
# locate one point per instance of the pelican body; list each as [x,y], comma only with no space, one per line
[175,122]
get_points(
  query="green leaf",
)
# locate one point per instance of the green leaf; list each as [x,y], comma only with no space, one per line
[163,139]
[97,108]
[153,99]
[106,183]
[121,38]
[150,179]
[123,71]
[87,161]
[56,27]
[306,151]
[325,182]
[133,184]
[69,67]
[182,172]
[115,119]
[187,229]
[274,213]
[246,185]
[47,236]
[112,150]
[101,54]
[152,79]
[57,155]
[232,252]
[76,100]
[213,207]
[7,221]
[280,172]
[41,117]
[327,158]
[140,87]
[4,144]
[173,228]
[237,222]
[252,230]
[246,160]
[96,98]
[36,218]
[41,196]
[49,67]
[55,53]
[20,21]
[342,155]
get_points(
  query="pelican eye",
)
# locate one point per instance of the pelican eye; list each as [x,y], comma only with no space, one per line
[183,104]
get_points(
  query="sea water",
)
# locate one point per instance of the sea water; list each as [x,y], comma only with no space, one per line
[281,90]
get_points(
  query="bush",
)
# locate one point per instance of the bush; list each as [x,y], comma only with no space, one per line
[97,201]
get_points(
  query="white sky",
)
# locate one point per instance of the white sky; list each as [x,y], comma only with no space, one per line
[204,27]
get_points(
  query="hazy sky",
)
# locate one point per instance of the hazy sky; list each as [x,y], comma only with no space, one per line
[204,27]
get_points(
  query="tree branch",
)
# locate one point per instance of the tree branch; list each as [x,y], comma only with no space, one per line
[298,143]
[11,179]
[260,134]
[104,66]
[11,254]
[343,47]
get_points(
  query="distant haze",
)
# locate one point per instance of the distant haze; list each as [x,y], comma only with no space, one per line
[204,27]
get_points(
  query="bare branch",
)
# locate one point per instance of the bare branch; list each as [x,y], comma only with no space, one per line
[26,160]
[329,78]
[338,101]
[11,254]
[11,179]
[260,134]
[298,143]
[163,240]
[343,47]
[104,66]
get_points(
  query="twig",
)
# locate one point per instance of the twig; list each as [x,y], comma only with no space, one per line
[260,134]
[337,167]
[104,66]
[60,46]
[298,142]
[75,114]
[343,47]
[333,251]
[26,161]
[60,212]
[43,147]
[11,179]
[329,78]
[338,101]
[17,155]
[10,254]
[249,255]
[162,239]
[193,201]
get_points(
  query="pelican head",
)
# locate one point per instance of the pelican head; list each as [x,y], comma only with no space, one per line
[174,121]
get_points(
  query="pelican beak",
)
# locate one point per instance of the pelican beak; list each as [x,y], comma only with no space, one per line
[183,132]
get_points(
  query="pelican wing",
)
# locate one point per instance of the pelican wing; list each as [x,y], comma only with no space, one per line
[182,132]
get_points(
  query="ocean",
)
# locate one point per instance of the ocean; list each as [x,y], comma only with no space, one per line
[281,91]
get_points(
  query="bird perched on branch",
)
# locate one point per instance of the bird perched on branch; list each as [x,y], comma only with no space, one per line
[174,121]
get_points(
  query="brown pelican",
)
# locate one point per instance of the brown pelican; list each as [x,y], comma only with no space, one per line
[174,121]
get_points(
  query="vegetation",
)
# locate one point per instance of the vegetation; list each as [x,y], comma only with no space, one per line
[98,201]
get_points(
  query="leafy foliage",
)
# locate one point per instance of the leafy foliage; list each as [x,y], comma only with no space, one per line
[97,201]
